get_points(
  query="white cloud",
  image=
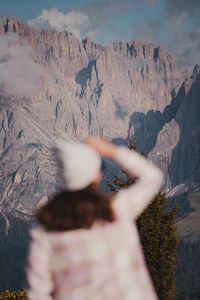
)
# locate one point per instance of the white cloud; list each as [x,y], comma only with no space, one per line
[73,21]
[20,75]
[185,41]
[93,33]
[176,33]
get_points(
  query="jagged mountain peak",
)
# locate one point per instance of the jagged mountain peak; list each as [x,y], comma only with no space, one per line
[99,90]
[13,24]
[142,50]
[16,25]
[87,40]
[132,49]
[93,49]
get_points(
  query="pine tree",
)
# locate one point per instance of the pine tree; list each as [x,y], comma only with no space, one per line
[157,232]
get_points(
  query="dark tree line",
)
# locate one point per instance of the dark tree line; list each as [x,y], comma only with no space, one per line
[188,272]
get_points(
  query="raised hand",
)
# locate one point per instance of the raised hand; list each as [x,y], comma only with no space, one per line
[103,147]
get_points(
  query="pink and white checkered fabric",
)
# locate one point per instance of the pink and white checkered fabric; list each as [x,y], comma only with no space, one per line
[102,263]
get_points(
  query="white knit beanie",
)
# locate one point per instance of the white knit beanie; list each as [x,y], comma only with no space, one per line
[78,163]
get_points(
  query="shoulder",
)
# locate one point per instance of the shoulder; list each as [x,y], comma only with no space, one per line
[37,229]
[38,233]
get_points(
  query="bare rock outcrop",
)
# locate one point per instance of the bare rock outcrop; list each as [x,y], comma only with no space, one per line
[115,91]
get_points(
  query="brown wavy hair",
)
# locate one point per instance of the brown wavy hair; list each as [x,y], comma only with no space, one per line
[74,210]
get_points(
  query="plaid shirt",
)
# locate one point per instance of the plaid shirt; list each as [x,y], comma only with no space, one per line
[102,263]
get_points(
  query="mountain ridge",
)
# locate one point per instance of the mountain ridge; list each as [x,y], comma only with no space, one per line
[115,91]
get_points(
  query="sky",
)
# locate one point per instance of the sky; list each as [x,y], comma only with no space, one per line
[175,24]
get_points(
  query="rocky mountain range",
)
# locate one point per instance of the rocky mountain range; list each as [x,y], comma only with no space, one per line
[78,88]
[53,85]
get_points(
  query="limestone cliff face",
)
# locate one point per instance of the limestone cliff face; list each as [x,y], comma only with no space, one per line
[177,147]
[185,163]
[115,91]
